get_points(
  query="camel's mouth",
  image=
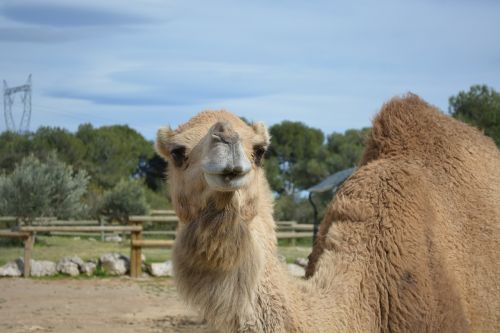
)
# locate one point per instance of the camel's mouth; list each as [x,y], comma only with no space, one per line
[226,165]
[226,182]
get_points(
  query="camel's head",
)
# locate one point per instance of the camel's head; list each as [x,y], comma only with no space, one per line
[214,152]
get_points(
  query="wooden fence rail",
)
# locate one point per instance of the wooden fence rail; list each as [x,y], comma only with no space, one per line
[157,219]
[121,228]
[66,223]
[27,234]
[289,230]
[156,212]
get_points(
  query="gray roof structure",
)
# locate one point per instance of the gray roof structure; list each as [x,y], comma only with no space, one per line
[332,181]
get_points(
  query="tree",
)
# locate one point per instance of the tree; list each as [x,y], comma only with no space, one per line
[13,148]
[113,152]
[295,157]
[480,107]
[273,173]
[345,150]
[49,188]
[125,199]
[68,147]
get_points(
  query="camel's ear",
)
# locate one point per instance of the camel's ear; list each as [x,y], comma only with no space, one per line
[261,130]
[162,145]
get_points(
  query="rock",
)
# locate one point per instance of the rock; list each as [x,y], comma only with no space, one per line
[76,238]
[43,268]
[38,268]
[90,239]
[114,263]
[161,269]
[12,269]
[113,238]
[302,262]
[296,270]
[74,259]
[88,268]
[68,267]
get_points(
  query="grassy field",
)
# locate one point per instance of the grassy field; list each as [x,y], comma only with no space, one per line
[54,248]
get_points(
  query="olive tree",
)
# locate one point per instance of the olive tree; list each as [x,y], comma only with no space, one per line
[43,188]
[124,199]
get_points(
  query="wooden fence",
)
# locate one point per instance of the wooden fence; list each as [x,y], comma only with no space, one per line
[28,246]
[27,233]
[289,230]
[137,243]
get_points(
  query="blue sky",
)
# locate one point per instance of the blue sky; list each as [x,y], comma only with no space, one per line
[329,64]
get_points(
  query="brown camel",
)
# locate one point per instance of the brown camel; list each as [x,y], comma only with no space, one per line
[410,244]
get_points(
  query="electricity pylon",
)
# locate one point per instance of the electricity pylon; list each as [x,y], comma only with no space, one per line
[8,101]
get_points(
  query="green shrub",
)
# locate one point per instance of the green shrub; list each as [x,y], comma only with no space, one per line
[49,188]
[125,199]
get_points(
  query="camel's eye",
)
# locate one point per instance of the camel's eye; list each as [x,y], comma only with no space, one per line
[258,153]
[178,155]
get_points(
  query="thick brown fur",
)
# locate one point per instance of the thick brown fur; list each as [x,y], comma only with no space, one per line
[422,215]
[410,244]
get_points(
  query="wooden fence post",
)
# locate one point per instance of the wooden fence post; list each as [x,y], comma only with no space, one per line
[293,240]
[28,247]
[135,253]
[101,223]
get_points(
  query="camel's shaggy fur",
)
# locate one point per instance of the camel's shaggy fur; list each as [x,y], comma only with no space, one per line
[410,244]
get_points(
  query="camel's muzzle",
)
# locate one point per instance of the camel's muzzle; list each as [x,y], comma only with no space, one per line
[225,164]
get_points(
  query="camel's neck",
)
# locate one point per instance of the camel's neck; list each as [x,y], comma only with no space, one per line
[226,266]
[217,262]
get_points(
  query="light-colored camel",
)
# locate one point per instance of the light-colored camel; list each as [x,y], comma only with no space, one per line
[410,244]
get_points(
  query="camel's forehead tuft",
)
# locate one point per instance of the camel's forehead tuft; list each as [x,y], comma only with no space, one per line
[206,119]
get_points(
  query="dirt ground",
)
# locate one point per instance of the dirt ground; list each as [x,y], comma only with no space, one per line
[94,306]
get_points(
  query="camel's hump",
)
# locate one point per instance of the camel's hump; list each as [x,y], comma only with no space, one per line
[409,126]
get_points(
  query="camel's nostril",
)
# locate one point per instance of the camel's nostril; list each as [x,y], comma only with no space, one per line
[227,171]
[233,172]
[238,169]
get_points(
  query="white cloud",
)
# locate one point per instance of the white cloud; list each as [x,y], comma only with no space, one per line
[328,64]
